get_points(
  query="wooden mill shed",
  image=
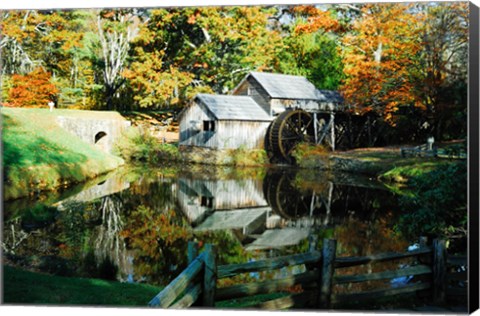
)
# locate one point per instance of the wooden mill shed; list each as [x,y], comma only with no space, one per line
[276,92]
[223,122]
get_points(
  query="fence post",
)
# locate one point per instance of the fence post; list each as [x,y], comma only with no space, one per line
[326,273]
[192,252]
[210,277]
[439,270]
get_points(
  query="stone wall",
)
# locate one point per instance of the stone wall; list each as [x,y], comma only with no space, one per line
[99,132]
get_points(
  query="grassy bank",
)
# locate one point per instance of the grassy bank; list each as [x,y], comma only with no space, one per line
[39,155]
[386,164]
[24,287]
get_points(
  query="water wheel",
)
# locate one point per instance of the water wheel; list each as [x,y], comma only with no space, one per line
[284,197]
[290,128]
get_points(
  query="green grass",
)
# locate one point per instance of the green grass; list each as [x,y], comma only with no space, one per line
[401,174]
[39,155]
[386,164]
[24,287]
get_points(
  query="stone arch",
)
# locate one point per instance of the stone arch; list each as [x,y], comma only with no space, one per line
[101,140]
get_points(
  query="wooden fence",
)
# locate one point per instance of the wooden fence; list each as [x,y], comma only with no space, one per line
[423,150]
[197,284]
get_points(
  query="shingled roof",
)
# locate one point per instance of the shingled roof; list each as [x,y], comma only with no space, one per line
[279,86]
[230,107]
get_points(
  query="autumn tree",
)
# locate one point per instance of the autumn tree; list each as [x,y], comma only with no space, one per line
[32,90]
[378,54]
[51,39]
[19,33]
[181,52]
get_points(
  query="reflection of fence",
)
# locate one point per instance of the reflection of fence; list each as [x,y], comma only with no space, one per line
[197,284]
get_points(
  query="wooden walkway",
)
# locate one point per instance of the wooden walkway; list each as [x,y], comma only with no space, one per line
[436,274]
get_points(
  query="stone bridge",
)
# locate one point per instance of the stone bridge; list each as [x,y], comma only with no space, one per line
[102,130]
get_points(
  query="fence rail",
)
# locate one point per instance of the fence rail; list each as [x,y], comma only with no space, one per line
[197,284]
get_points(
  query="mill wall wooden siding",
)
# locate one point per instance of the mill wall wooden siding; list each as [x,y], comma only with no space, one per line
[228,134]
[193,116]
[253,89]
[235,134]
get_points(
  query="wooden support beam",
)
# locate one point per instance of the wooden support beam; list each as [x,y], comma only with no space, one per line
[268,264]
[355,261]
[376,294]
[439,271]
[172,291]
[192,252]
[210,277]
[327,269]
[191,296]
[250,289]
[416,270]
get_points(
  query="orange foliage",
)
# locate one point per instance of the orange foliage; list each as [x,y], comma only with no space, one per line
[317,19]
[32,90]
[379,57]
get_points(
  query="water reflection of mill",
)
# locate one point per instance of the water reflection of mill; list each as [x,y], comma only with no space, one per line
[279,211]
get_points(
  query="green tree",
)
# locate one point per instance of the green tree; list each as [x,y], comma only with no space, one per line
[311,47]
[442,68]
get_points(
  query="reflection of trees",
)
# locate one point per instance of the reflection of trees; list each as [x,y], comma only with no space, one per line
[158,240]
[13,236]
[108,244]
[359,238]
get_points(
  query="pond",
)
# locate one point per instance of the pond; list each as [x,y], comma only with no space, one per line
[134,225]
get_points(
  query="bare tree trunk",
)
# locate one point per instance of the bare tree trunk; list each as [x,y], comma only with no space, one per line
[115,44]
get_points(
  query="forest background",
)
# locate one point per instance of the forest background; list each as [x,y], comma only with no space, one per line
[405,62]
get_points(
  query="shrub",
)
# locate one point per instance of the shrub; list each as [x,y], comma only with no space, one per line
[248,157]
[438,205]
[138,145]
[310,156]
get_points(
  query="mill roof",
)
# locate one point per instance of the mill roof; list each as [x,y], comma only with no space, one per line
[280,86]
[230,107]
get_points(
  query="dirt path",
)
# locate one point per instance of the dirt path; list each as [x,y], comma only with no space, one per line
[160,124]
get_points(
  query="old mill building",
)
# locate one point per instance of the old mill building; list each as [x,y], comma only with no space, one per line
[263,111]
